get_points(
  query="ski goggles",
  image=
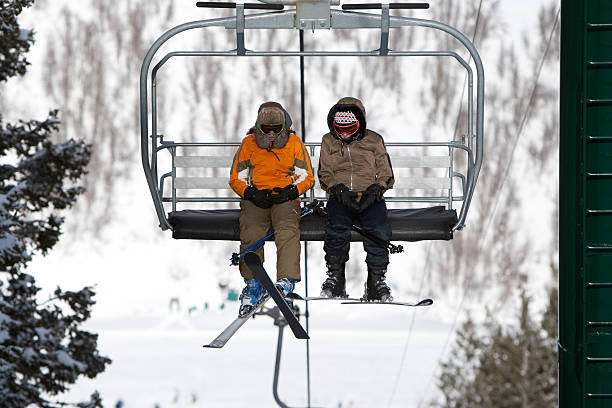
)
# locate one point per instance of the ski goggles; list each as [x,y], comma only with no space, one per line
[271,128]
[345,124]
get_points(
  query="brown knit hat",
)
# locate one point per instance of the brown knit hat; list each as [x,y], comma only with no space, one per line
[271,113]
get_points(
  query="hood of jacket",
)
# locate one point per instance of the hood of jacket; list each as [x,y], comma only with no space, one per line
[350,104]
[270,113]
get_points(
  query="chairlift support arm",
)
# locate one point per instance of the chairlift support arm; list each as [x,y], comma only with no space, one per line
[279,321]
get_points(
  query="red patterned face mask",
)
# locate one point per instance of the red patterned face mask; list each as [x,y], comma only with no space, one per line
[345,124]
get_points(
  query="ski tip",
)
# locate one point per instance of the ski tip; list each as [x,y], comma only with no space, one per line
[425,302]
[212,346]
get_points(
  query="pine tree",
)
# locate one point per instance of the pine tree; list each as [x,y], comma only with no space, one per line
[504,367]
[42,348]
[548,359]
[457,378]
[14,42]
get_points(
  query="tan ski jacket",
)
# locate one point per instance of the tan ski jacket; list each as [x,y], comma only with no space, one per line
[357,163]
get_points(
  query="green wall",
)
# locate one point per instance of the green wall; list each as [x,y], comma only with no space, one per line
[585,224]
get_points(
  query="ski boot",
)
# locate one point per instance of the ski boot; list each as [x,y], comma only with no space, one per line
[375,287]
[285,287]
[251,297]
[335,284]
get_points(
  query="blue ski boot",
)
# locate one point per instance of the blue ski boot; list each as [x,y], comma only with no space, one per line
[251,297]
[285,287]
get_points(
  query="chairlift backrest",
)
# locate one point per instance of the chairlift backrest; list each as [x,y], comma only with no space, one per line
[191,172]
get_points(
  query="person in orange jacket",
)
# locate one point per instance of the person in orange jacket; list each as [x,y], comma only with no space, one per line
[270,170]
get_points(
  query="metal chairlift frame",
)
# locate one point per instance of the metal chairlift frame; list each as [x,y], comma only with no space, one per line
[309,15]
[280,322]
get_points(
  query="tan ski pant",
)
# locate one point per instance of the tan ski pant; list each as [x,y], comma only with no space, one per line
[284,220]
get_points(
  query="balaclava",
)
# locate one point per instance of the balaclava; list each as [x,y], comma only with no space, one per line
[345,124]
[341,118]
[272,125]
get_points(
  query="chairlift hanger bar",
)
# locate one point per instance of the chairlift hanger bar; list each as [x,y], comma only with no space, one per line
[392,6]
[279,6]
[247,6]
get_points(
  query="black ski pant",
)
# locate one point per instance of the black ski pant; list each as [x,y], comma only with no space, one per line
[338,231]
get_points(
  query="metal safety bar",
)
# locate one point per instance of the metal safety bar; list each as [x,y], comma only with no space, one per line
[398,162]
[311,15]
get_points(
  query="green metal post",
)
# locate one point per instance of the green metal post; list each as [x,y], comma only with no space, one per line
[570,209]
[585,231]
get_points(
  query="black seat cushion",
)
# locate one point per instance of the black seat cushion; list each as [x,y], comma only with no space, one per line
[414,224]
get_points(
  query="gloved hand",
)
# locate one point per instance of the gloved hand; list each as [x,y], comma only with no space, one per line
[282,194]
[373,193]
[345,196]
[261,198]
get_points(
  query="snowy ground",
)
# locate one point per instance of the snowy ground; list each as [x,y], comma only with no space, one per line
[355,360]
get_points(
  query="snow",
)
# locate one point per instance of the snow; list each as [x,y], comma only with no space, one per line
[28,354]
[4,334]
[64,358]
[25,35]
[353,360]
[42,333]
[9,245]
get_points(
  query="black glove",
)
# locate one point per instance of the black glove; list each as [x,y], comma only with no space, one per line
[345,196]
[373,193]
[261,198]
[280,195]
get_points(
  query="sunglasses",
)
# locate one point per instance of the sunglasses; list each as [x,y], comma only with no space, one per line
[274,128]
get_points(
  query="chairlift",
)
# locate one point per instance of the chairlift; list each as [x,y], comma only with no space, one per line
[450,195]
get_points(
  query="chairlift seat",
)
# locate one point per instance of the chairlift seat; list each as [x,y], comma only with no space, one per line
[413,224]
[423,185]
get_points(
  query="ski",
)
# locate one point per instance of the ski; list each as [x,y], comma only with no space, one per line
[424,302]
[360,301]
[255,265]
[295,296]
[233,327]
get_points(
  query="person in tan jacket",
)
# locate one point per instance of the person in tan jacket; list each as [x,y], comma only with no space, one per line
[355,171]
[270,170]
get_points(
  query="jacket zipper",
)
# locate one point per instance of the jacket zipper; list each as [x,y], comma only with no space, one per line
[272,151]
[348,149]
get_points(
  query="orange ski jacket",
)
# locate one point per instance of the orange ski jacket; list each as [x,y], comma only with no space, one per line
[269,168]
